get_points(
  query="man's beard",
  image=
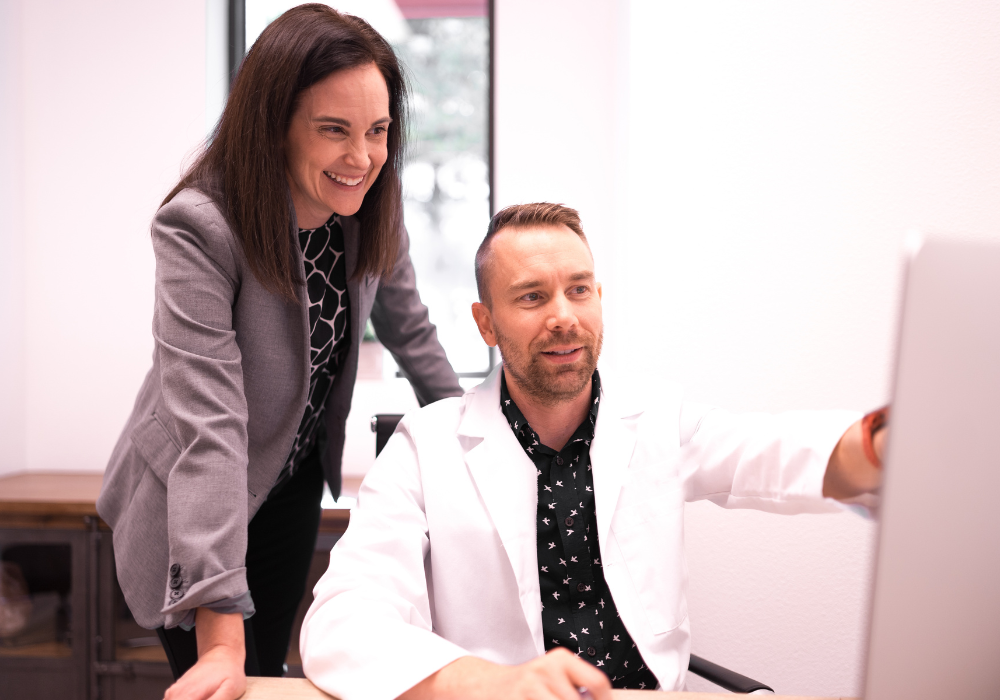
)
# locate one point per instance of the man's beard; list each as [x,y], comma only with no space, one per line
[545,383]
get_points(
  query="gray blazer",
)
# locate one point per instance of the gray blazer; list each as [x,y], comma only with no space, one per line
[217,414]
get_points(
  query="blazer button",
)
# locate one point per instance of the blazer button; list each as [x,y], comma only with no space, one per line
[591,651]
[176,595]
[175,569]
[176,582]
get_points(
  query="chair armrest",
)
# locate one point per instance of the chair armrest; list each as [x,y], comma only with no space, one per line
[730,680]
[383,425]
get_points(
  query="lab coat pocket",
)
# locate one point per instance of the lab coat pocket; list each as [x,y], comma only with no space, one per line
[153,441]
[650,536]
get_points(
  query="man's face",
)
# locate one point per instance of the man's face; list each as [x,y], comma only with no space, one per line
[545,311]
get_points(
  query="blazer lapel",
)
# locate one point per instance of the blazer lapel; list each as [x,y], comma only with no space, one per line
[507,482]
[610,454]
[360,292]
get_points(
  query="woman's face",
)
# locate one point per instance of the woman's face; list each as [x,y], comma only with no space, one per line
[337,144]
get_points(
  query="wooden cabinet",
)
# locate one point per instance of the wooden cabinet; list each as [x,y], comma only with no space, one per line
[77,640]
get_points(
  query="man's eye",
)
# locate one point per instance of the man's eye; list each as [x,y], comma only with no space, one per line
[531,296]
[580,290]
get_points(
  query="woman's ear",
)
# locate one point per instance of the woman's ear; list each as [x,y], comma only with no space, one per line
[484,322]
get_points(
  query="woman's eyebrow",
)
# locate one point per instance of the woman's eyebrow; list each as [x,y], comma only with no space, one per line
[344,122]
[332,120]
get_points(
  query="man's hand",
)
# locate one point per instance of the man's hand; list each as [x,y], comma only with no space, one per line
[218,674]
[850,473]
[556,676]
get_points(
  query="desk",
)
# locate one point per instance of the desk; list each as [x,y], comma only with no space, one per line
[49,522]
[301,689]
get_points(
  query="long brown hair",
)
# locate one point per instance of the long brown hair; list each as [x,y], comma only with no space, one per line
[243,167]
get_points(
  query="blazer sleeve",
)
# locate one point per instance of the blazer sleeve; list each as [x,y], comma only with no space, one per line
[403,326]
[772,462]
[197,280]
[368,634]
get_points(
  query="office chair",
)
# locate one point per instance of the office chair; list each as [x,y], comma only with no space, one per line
[384,424]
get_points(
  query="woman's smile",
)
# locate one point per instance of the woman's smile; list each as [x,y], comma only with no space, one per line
[344,180]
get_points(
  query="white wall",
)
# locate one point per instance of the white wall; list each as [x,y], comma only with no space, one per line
[12,385]
[747,173]
[110,98]
[778,154]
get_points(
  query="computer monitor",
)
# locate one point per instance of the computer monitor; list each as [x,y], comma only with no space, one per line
[935,627]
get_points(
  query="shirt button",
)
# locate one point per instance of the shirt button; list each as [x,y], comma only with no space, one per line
[569,522]
[176,595]
[176,582]
[559,460]
[175,569]
[581,587]
[591,651]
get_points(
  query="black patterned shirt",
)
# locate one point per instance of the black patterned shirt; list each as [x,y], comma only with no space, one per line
[578,612]
[326,284]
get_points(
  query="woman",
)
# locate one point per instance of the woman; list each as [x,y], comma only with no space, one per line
[271,254]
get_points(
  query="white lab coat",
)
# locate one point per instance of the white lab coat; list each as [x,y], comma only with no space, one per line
[440,558]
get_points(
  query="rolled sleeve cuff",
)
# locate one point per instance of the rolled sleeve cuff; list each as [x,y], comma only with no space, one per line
[221,589]
[242,604]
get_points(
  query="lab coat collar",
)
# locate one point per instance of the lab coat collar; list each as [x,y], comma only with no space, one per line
[507,479]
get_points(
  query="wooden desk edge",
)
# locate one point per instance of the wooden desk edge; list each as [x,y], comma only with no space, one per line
[302,689]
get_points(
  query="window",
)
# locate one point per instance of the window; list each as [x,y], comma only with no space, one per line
[444,46]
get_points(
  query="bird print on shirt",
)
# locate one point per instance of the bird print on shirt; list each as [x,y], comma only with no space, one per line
[571,577]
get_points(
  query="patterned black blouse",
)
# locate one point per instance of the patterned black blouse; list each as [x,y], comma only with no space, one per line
[326,282]
[577,609]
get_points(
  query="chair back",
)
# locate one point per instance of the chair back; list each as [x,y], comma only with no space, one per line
[383,425]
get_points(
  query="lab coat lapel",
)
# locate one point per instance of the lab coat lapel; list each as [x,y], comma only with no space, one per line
[507,483]
[610,453]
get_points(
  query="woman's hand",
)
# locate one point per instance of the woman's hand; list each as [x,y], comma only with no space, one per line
[218,674]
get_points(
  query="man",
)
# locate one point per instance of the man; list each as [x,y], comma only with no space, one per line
[543,511]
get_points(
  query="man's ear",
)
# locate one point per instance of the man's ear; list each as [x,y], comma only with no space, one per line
[484,322]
